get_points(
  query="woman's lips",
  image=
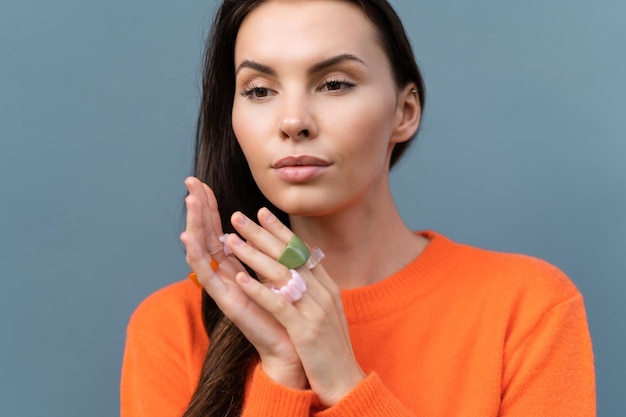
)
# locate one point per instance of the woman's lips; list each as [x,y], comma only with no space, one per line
[299,168]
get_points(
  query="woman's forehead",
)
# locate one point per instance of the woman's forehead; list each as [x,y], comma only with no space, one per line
[305,30]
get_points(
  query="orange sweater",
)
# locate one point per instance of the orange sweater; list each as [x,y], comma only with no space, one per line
[460,331]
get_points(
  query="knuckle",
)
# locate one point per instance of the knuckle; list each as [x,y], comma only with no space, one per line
[191,257]
[310,334]
[253,229]
[334,290]
[327,301]
[285,276]
[281,303]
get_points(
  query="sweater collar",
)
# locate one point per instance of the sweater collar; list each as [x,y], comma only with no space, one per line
[422,275]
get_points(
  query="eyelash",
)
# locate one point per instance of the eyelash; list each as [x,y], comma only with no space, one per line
[251,89]
[341,82]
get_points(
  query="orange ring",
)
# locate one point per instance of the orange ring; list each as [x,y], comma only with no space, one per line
[194,278]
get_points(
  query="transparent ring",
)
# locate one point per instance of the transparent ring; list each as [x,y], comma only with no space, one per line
[316,257]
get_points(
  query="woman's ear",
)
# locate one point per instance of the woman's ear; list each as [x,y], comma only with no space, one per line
[408,114]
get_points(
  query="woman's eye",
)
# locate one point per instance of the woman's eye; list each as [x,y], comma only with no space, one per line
[260,92]
[256,92]
[336,85]
[333,85]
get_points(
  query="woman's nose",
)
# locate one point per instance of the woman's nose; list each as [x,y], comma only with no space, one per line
[297,120]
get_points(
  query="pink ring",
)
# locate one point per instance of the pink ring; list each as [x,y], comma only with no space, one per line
[294,289]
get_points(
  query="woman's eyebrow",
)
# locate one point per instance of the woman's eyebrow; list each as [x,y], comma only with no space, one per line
[333,61]
[320,66]
[255,66]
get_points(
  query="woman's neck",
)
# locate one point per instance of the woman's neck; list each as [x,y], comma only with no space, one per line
[364,243]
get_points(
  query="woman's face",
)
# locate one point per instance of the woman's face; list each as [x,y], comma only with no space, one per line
[316,108]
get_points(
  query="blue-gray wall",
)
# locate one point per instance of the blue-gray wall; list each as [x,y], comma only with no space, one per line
[522,149]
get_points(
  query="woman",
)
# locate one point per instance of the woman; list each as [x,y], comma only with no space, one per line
[306,106]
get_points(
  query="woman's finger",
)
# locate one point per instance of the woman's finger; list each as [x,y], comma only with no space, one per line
[194,240]
[275,227]
[213,210]
[257,259]
[259,237]
[265,244]
[315,297]
[209,214]
[277,305]
[271,237]
[194,224]
[322,291]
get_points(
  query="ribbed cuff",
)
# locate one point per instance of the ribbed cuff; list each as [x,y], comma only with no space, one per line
[264,397]
[369,398]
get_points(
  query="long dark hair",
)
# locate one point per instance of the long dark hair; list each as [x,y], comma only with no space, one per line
[220,163]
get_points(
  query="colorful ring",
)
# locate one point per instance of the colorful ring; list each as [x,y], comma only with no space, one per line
[194,278]
[295,254]
[222,239]
[316,257]
[294,289]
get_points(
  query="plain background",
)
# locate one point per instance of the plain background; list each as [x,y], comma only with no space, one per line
[522,149]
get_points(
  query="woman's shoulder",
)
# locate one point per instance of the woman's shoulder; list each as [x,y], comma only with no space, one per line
[165,348]
[516,294]
[519,277]
[508,272]
[176,307]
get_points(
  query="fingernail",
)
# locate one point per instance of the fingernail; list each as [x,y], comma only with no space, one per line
[244,278]
[235,240]
[266,215]
[240,219]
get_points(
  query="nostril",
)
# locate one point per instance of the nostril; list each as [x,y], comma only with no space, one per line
[304,132]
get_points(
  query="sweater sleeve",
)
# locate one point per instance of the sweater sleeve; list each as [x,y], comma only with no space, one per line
[163,355]
[549,370]
[265,397]
[369,398]
[153,383]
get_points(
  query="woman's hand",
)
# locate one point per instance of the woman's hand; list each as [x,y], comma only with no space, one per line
[201,239]
[315,324]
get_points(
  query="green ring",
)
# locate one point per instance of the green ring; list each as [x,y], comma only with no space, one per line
[295,254]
